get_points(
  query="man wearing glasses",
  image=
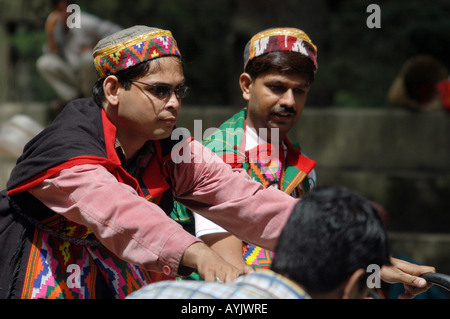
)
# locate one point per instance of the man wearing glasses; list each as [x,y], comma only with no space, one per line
[86,210]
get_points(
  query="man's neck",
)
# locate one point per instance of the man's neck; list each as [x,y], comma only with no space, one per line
[130,146]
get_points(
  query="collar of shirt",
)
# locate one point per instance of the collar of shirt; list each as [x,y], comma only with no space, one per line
[273,284]
[137,164]
[252,139]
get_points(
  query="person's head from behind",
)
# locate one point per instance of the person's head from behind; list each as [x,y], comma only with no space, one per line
[61,5]
[60,8]
[331,238]
[279,67]
[421,76]
[141,81]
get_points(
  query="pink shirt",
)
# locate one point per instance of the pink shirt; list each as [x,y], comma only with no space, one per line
[140,232]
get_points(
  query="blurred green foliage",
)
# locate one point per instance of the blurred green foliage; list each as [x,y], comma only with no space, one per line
[356,64]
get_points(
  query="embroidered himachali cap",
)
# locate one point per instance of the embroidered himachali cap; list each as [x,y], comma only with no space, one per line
[280,39]
[132,46]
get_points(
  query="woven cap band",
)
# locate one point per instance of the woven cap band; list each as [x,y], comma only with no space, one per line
[280,39]
[132,46]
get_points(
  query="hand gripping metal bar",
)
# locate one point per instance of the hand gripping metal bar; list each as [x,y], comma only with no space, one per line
[437,279]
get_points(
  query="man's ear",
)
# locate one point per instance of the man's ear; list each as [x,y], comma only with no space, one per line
[111,88]
[352,288]
[245,82]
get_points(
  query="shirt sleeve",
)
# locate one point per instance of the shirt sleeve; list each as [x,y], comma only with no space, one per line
[229,198]
[205,227]
[131,227]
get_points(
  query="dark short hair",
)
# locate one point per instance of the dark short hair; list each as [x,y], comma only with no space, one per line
[331,233]
[284,62]
[421,75]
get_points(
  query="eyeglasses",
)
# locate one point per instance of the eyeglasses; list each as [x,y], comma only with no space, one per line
[164,92]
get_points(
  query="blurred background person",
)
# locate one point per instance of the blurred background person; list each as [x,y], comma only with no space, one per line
[67,60]
[420,84]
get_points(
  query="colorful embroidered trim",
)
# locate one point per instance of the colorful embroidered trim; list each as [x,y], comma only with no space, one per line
[257,257]
[121,56]
[282,39]
[49,274]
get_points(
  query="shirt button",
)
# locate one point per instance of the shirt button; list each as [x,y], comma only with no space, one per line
[166,270]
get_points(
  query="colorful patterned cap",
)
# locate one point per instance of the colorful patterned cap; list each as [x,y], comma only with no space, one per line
[280,39]
[132,46]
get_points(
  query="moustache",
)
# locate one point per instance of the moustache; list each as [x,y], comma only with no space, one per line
[283,109]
